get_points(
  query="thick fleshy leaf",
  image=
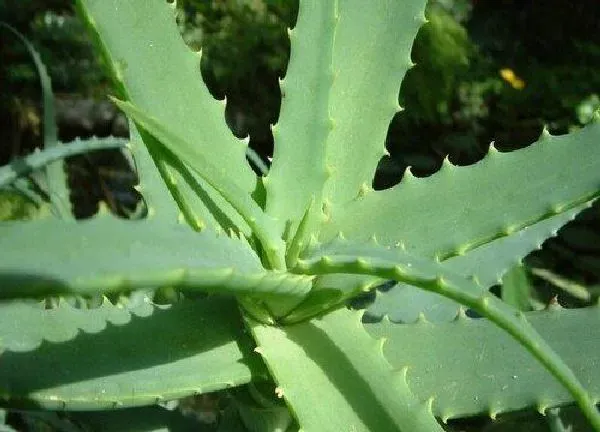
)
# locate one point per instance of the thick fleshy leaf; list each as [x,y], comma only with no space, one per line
[105,255]
[333,376]
[343,257]
[460,208]
[298,172]
[486,264]
[153,57]
[221,182]
[124,355]
[501,376]
[373,41]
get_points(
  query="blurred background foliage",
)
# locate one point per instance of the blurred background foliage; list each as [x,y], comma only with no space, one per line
[486,71]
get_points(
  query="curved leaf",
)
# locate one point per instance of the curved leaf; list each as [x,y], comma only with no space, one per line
[334,360]
[110,255]
[486,264]
[153,57]
[501,376]
[298,172]
[371,55]
[117,356]
[341,257]
[460,208]
[40,159]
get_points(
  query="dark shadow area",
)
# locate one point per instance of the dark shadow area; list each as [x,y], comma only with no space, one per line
[318,346]
[182,331]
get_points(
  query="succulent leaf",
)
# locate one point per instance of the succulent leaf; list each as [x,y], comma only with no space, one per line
[153,57]
[501,376]
[216,177]
[500,195]
[120,355]
[371,55]
[430,275]
[358,390]
[486,265]
[299,170]
[105,255]
[40,159]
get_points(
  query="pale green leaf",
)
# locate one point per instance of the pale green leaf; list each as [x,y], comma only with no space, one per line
[246,207]
[298,172]
[333,376]
[106,255]
[460,208]
[377,261]
[116,356]
[40,159]
[153,58]
[486,264]
[373,41]
[500,376]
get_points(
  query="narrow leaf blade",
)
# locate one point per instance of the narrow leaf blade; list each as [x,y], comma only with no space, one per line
[371,55]
[298,171]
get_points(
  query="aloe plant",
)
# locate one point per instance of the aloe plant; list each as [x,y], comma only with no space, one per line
[282,255]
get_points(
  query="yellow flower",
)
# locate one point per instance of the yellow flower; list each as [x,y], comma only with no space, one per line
[510,77]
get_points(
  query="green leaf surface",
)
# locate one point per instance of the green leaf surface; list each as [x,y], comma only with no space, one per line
[152,58]
[40,159]
[396,264]
[157,195]
[333,376]
[188,196]
[117,356]
[460,208]
[517,288]
[500,376]
[486,264]
[298,171]
[246,207]
[105,255]
[371,54]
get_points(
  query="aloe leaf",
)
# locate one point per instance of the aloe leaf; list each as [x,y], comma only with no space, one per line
[298,171]
[106,255]
[153,57]
[357,388]
[460,208]
[501,376]
[371,55]
[486,264]
[40,159]
[175,190]
[156,193]
[136,354]
[243,203]
[430,275]
[517,288]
